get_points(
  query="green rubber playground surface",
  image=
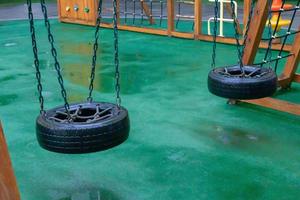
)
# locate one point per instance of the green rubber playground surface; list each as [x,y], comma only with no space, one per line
[184,142]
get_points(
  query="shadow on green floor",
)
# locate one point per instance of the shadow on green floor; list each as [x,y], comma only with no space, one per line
[184,142]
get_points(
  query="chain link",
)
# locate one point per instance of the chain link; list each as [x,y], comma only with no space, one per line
[36,58]
[213,64]
[95,48]
[270,30]
[247,27]
[236,36]
[240,50]
[117,73]
[54,55]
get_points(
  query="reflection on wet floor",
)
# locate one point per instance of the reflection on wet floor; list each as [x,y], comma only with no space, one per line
[7,99]
[184,142]
[100,194]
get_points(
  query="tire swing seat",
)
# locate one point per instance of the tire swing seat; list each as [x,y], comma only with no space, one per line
[85,127]
[240,82]
[232,83]
[93,126]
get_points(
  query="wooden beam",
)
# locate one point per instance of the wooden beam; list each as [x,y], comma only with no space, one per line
[276,104]
[256,28]
[225,40]
[283,81]
[247,8]
[59,9]
[198,17]
[188,35]
[147,12]
[170,8]
[8,184]
[297,78]
[137,29]
[292,61]
[183,35]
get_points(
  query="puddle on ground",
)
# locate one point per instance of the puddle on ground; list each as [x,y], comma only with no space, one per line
[234,136]
[7,78]
[10,44]
[7,99]
[101,194]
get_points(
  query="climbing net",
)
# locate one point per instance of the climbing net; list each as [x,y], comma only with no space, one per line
[272,35]
[139,11]
[184,10]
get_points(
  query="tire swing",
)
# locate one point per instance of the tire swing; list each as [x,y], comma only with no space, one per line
[80,127]
[240,81]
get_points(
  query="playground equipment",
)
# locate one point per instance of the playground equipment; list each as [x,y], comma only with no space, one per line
[145,11]
[8,184]
[276,21]
[240,81]
[289,74]
[170,17]
[179,15]
[77,11]
[256,27]
[80,127]
[221,18]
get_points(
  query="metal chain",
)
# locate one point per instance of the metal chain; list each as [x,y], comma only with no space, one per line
[247,27]
[270,31]
[117,73]
[213,63]
[54,55]
[236,35]
[95,48]
[36,58]
[240,51]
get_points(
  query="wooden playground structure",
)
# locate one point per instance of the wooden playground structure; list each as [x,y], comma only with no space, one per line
[288,75]
[68,11]
[8,185]
[254,41]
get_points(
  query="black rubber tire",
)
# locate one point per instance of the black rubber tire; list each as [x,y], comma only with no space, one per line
[77,138]
[234,87]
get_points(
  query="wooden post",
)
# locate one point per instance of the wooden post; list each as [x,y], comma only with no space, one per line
[256,28]
[8,184]
[198,17]
[147,11]
[247,7]
[59,9]
[289,73]
[170,5]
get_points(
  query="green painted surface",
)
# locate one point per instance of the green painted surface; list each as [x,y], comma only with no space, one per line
[184,143]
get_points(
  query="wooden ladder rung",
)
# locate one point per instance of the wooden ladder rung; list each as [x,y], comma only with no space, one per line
[186,16]
[187,2]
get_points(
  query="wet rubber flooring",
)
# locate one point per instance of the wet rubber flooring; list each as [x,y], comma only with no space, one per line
[184,142]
